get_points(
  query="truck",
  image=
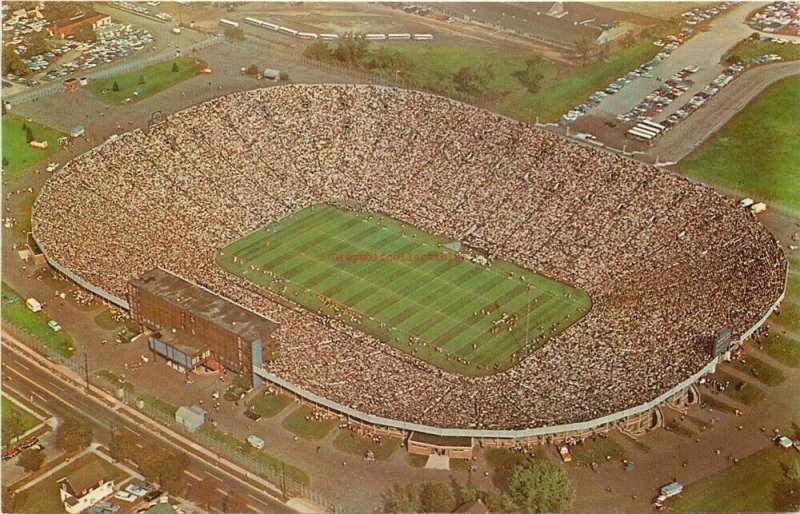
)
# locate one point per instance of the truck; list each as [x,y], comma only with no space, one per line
[667,491]
[33,304]
[255,441]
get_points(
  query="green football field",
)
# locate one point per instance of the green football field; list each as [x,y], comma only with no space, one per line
[403,286]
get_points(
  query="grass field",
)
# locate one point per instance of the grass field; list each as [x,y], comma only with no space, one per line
[596,450]
[26,419]
[763,371]
[753,485]
[302,424]
[157,77]
[757,153]
[748,49]
[35,324]
[269,405]
[559,92]
[784,349]
[401,285]
[18,152]
[740,390]
[355,444]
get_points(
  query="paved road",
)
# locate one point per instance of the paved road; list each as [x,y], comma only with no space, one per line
[52,394]
[697,128]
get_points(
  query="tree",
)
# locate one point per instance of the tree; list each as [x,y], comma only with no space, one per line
[497,502]
[31,460]
[437,497]
[123,445]
[473,81]
[582,48]
[5,163]
[141,79]
[284,76]
[85,33]
[12,424]
[793,473]
[467,493]
[115,86]
[352,48]
[318,51]
[175,67]
[62,10]
[234,33]
[172,468]
[12,63]
[403,499]
[29,134]
[539,485]
[36,45]
[531,77]
[73,434]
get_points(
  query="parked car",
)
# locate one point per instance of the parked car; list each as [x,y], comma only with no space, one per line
[27,443]
[126,496]
[10,452]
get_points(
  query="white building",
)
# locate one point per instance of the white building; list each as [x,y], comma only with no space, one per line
[84,487]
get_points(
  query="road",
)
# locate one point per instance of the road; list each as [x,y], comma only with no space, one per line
[50,393]
[697,128]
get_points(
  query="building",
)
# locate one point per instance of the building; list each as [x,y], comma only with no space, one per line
[192,327]
[85,486]
[270,74]
[62,29]
[72,84]
[454,447]
[190,417]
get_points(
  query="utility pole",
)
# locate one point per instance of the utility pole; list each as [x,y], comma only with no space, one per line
[283,480]
[86,370]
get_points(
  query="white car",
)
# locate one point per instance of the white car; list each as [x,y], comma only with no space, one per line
[135,490]
[126,496]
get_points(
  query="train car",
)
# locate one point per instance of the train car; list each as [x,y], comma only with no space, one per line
[423,37]
[399,37]
[228,23]
[375,37]
[287,31]
[306,35]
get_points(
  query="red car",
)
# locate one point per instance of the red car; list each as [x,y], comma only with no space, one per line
[27,443]
[10,453]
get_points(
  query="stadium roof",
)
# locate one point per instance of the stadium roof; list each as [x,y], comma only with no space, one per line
[205,304]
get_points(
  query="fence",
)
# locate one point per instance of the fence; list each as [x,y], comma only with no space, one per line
[269,471]
[56,86]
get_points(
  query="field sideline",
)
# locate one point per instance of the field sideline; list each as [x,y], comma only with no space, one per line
[403,286]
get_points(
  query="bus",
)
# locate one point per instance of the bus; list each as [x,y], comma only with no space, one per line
[306,35]
[423,37]
[639,135]
[653,125]
[399,37]
[228,23]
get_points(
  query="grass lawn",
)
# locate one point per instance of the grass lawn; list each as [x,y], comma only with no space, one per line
[237,446]
[302,424]
[596,450]
[753,485]
[157,77]
[18,152]
[350,442]
[268,405]
[504,458]
[748,49]
[35,324]
[756,153]
[159,404]
[762,371]
[783,349]
[43,498]
[558,93]
[717,404]
[740,390]
[403,286]
[676,427]
[115,379]
[9,409]
[416,461]
[106,320]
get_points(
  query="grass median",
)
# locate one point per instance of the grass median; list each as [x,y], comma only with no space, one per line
[269,405]
[16,150]
[301,423]
[147,81]
[350,442]
[35,324]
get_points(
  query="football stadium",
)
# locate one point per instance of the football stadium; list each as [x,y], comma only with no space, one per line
[429,265]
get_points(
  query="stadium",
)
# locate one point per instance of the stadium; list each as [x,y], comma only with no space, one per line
[542,286]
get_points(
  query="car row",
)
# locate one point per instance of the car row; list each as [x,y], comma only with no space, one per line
[783,17]
[700,98]
[661,97]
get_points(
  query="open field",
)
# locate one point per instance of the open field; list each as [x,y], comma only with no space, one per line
[783,348]
[403,286]
[559,92]
[16,150]
[157,77]
[756,152]
[35,324]
[596,450]
[753,485]
[740,390]
[43,498]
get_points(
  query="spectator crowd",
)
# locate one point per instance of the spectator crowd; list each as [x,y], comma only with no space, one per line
[667,262]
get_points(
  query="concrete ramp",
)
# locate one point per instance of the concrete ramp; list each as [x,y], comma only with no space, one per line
[438,462]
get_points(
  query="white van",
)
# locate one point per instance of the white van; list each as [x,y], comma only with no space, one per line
[256,442]
[33,304]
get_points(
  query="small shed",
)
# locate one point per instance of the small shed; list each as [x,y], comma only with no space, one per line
[190,417]
[270,74]
[77,131]
[72,84]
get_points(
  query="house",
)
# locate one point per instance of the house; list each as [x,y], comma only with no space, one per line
[62,29]
[85,486]
[190,417]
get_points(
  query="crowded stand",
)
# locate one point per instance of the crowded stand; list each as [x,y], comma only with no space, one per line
[667,262]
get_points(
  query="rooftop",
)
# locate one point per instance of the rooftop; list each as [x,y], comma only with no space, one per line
[203,303]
